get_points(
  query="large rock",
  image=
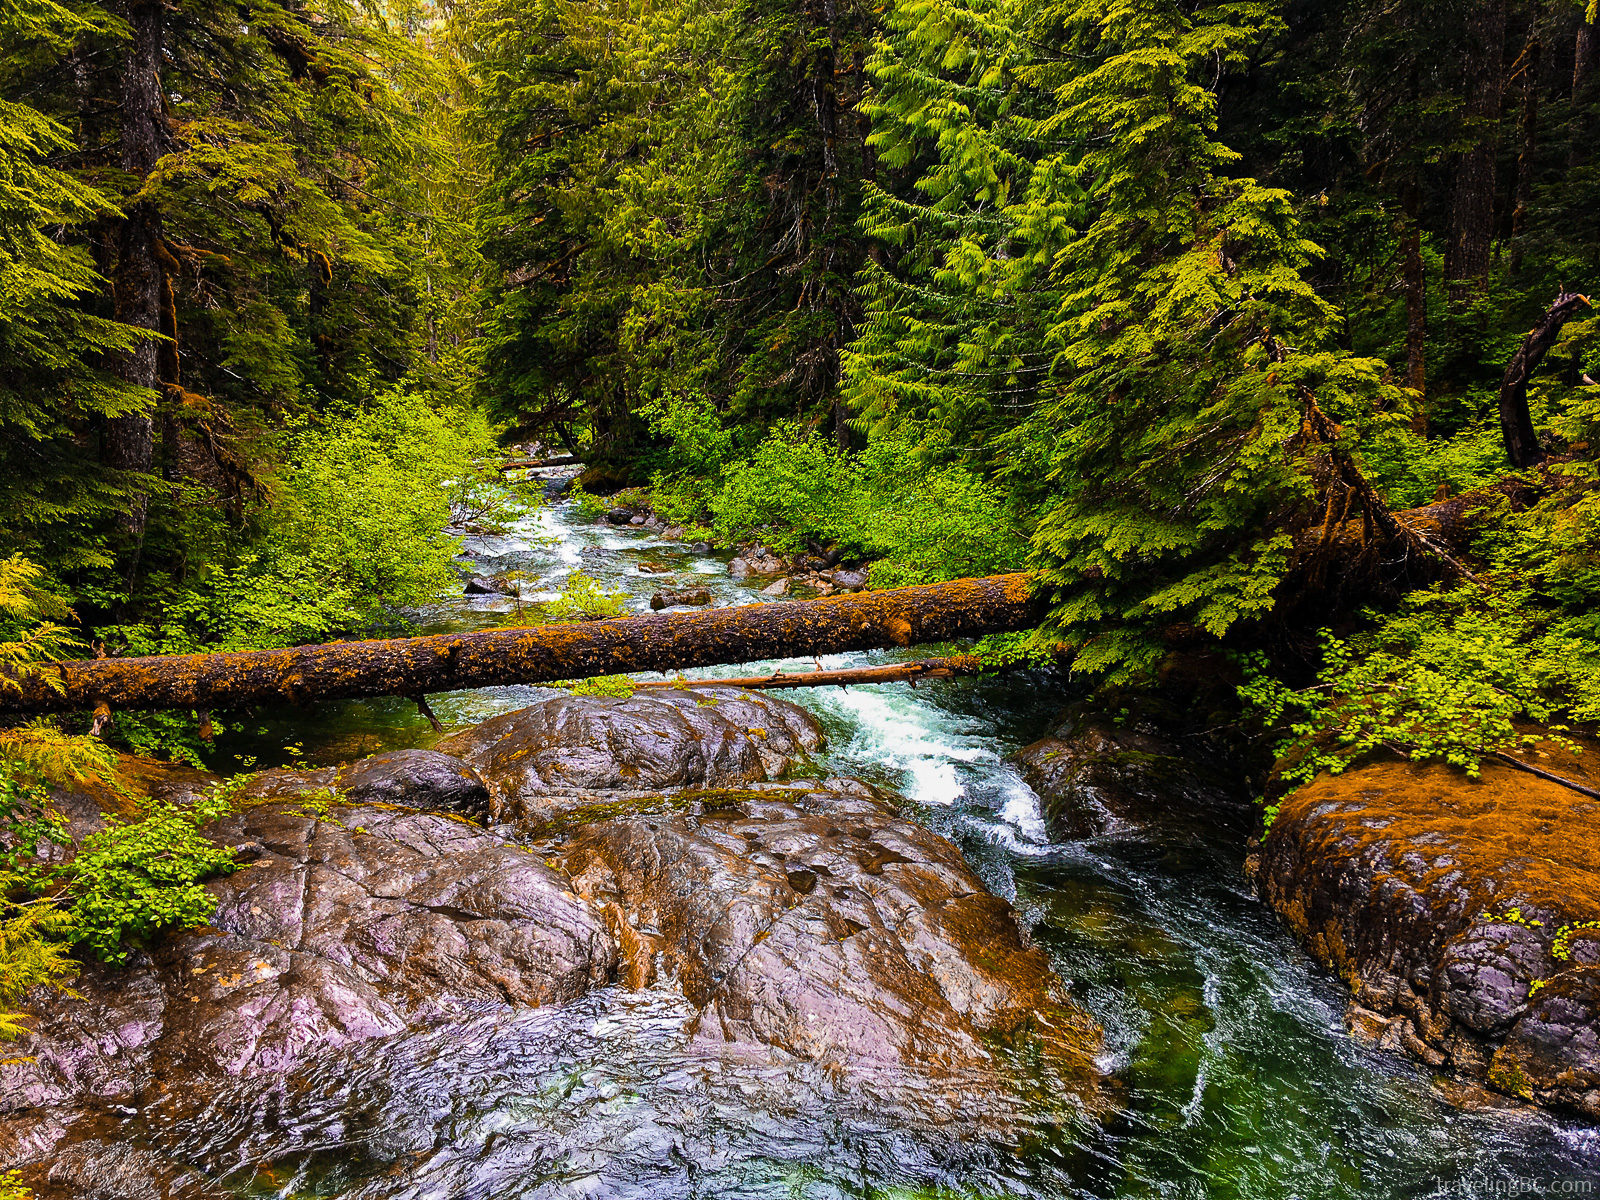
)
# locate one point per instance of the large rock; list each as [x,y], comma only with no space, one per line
[812,919]
[536,759]
[1461,913]
[1094,776]
[347,924]
[425,779]
[805,931]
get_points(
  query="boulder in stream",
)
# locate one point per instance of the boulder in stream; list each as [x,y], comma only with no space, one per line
[1463,914]
[1094,776]
[423,779]
[683,597]
[535,759]
[807,933]
[346,924]
[814,919]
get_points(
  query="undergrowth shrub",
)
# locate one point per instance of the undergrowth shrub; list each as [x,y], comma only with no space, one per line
[358,524]
[1454,675]
[134,879]
[918,518]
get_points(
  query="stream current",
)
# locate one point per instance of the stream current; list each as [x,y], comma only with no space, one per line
[1232,1072]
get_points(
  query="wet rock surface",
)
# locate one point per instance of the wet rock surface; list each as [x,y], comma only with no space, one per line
[1094,776]
[346,924]
[791,927]
[426,779]
[579,745]
[1458,912]
[812,918]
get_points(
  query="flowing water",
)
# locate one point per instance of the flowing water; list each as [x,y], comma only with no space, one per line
[1233,1073]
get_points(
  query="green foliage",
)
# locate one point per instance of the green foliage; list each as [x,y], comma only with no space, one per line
[1451,676]
[920,520]
[602,685]
[32,954]
[672,206]
[28,638]
[42,750]
[358,527]
[133,879]
[584,598]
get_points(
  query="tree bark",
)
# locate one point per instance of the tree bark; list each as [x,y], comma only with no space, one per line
[445,662]
[1585,54]
[1416,289]
[140,279]
[1516,423]
[1472,219]
[1527,157]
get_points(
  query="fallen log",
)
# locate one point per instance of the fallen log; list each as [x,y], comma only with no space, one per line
[911,672]
[414,667]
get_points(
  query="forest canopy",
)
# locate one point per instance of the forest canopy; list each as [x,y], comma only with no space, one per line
[1176,305]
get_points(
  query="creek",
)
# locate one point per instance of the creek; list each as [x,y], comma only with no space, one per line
[1233,1075]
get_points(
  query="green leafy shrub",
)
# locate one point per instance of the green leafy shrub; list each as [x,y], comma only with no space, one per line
[1448,677]
[584,599]
[1410,468]
[359,524]
[133,879]
[896,502]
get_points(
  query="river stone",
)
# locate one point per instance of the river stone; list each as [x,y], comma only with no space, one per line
[811,918]
[425,779]
[540,759]
[1095,777]
[360,925]
[849,581]
[685,597]
[1440,901]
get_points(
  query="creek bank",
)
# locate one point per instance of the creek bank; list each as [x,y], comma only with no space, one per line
[646,842]
[1462,915]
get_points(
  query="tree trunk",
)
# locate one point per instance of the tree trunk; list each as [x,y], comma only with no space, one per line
[445,662]
[1472,218]
[139,281]
[1516,424]
[1586,53]
[1416,289]
[1527,157]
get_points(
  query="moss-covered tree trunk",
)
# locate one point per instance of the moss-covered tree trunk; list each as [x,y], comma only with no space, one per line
[446,662]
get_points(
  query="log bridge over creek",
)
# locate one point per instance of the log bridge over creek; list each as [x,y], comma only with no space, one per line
[413,667]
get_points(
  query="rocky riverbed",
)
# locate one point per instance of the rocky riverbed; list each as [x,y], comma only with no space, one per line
[1223,1061]
[654,841]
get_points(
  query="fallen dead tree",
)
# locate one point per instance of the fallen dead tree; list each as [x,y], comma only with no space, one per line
[910,672]
[414,667]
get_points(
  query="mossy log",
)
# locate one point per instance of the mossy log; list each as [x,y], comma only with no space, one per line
[534,654]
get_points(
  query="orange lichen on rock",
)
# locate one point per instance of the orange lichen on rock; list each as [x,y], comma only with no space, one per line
[1460,911]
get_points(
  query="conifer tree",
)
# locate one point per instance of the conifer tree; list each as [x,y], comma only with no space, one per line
[1197,382]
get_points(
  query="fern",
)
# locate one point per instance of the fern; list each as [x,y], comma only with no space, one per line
[33,953]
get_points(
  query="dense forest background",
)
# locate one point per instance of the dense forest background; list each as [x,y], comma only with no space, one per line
[1157,299]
